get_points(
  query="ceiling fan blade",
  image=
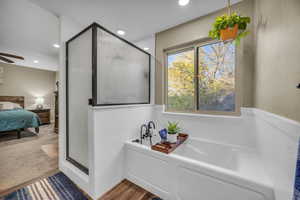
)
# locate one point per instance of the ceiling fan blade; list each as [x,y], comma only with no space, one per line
[6,60]
[11,55]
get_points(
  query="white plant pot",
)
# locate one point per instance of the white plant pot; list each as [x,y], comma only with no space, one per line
[172,138]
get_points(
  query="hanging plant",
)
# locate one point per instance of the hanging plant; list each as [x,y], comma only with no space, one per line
[230,26]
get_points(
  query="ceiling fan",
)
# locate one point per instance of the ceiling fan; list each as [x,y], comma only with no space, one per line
[4,59]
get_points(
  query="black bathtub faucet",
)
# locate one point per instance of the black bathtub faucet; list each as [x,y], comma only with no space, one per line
[146,131]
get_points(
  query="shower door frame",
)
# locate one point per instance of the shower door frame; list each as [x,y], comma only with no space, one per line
[95,65]
[93,101]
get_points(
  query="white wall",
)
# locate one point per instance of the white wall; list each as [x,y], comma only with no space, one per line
[111,127]
[277,139]
[222,129]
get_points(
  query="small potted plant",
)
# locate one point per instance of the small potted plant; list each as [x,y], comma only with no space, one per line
[230,27]
[173,130]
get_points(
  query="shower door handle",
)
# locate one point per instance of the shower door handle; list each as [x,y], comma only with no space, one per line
[90,102]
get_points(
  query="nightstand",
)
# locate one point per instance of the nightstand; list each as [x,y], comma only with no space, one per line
[44,115]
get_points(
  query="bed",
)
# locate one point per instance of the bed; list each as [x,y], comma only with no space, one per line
[17,118]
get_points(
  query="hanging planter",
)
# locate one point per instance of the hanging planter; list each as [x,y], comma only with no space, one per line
[230,26]
[229,33]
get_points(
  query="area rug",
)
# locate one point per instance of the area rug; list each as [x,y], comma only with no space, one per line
[56,187]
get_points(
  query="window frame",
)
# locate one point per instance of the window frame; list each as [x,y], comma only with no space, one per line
[195,45]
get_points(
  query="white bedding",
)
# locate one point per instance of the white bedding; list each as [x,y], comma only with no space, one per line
[5,105]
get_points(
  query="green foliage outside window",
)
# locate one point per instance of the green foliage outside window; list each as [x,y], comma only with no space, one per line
[216,79]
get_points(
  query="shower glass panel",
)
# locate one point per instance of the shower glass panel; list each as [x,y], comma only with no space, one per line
[79,90]
[101,69]
[123,73]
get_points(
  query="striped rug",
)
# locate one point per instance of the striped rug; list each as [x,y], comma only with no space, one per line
[56,187]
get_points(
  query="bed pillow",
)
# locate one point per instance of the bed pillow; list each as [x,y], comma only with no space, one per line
[4,105]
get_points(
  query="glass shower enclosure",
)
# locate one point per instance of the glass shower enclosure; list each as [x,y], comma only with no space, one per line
[102,69]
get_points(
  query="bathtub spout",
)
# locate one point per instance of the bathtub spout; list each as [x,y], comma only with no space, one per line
[142,135]
[151,125]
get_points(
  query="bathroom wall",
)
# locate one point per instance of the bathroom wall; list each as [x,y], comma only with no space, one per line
[269,54]
[110,128]
[273,137]
[277,63]
[198,29]
[277,142]
[276,74]
[236,131]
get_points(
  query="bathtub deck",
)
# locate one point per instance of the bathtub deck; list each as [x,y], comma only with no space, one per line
[127,191]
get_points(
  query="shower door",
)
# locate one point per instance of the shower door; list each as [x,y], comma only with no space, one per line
[102,69]
[79,91]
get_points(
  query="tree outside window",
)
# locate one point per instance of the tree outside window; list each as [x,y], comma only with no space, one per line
[205,85]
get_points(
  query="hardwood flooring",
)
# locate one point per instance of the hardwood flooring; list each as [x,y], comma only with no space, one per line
[127,191]
[28,158]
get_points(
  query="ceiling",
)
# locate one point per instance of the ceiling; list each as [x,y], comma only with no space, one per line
[31,27]
[139,18]
[30,31]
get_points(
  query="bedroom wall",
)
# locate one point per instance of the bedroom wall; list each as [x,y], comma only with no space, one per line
[30,83]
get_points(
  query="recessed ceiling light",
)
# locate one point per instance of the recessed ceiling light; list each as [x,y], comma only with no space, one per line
[35,61]
[121,32]
[146,48]
[183,2]
[56,45]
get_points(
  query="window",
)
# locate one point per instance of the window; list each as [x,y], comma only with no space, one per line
[202,79]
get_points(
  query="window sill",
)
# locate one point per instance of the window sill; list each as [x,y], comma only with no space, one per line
[164,112]
[200,115]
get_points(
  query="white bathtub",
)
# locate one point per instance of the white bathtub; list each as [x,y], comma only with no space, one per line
[198,170]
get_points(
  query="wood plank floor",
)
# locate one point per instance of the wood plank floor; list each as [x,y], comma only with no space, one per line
[127,191]
[123,191]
